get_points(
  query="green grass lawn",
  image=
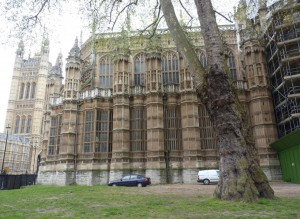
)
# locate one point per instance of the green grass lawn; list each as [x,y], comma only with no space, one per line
[123,202]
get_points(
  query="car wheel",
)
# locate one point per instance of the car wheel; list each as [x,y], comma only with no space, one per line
[139,185]
[114,184]
[206,182]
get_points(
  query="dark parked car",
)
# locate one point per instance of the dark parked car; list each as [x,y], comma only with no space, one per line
[131,180]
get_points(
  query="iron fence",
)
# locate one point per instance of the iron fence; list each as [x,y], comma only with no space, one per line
[8,182]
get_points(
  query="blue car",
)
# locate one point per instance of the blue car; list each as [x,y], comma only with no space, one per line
[131,180]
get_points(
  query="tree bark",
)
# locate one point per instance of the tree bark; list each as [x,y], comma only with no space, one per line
[182,43]
[241,176]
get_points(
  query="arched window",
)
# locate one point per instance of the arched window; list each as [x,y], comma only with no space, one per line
[17,124]
[139,70]
[170,68]
[106,72]
[52,139]
[33,90]
[202,57]
[138,129]
[173,132]
[232,66]
[22,91]
[23,124]
[88,132]
[104,120]
[28,127]
[27,90]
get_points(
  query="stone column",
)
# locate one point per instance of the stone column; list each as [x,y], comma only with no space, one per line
[156,166]
[121,144]
[261,107]
[192,154]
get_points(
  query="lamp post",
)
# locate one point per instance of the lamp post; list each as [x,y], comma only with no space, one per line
[7,128]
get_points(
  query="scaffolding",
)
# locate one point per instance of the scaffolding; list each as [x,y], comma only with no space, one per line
[283,54]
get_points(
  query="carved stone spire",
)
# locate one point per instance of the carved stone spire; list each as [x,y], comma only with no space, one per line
[57,68]
[45,46]
[20,50]
[75,51]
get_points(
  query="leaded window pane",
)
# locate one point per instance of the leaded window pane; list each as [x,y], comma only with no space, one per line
[103,131]
[22,91]
[106,72]
[23,121]
[202,57]
[55,132]
[138,127]
[207,133]
[27,90]
[232,66]
[28,128]
[170,68]
[139,70]
[173,136]
[33,90]
[17,124]
[88,131]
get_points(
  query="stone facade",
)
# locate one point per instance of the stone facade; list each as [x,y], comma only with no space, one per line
[27,99]
[129,105]
[17,154]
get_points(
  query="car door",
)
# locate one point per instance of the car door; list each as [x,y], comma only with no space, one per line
[133,180]
[125,181]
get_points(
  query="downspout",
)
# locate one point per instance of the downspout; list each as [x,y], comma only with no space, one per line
[166,150]
[76,142]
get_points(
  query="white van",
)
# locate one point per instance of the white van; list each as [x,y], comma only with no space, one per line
[208,176]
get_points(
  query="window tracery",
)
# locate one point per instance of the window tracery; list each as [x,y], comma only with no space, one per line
[139,70]
[106,72]
[170,68]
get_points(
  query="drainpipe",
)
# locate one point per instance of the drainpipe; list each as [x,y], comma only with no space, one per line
[166,149]
[76,142]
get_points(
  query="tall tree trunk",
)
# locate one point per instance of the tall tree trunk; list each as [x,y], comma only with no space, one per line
[241,176]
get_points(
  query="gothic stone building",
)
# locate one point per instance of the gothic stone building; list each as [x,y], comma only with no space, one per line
[129,106]
[26,101]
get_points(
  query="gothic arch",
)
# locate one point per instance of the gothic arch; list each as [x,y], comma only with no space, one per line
[28,125]
[17,124]
[23,122]
[231,62]
[202,57]
[27,90]
[106,71]
[139,69]
[33,90]
[22,89]
[170,68]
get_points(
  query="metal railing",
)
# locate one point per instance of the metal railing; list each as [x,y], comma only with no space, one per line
[8,182]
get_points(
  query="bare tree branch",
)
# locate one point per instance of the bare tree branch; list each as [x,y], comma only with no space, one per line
[155,23]
[111,10]
[191,17]
[123,9]
[223,16]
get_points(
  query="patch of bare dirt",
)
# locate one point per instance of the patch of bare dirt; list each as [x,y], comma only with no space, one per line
[281,189]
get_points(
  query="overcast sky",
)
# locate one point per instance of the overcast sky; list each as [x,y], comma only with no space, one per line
[62,38]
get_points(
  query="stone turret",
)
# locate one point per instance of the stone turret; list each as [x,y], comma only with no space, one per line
[20,50]
[72,72]
[67,150]
[45,47]
[13,96]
